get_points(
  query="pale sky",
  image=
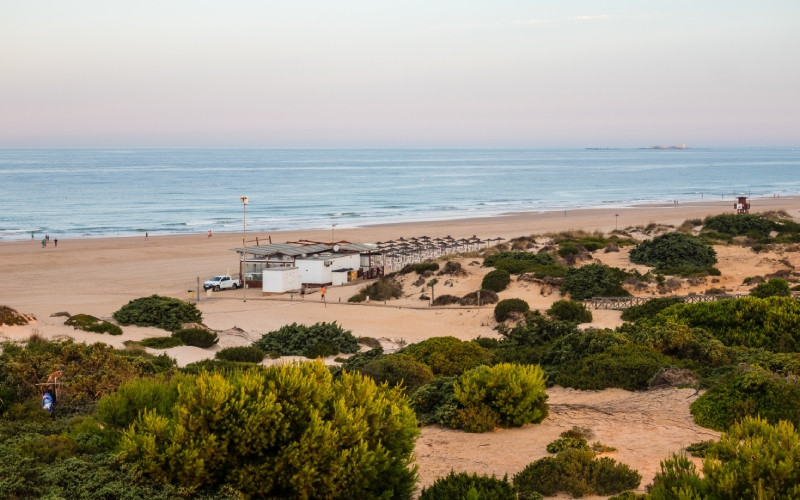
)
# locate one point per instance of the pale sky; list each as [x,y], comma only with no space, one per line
[399,73]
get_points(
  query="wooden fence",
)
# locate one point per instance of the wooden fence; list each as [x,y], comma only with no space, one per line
[622,303]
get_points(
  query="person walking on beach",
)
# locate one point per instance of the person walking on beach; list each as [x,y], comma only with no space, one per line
[210,233]
[44,242]
[322,293]
[145,235]
[55,241]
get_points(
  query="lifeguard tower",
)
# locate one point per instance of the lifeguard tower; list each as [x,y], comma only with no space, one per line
[742,206]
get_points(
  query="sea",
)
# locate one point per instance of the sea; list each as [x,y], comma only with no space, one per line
[102,192]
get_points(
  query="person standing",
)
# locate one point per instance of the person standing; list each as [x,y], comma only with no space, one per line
[55,241]
[322,293]
[44,242]
[210,234]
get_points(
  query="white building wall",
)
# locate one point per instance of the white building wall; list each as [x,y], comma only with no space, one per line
[281,279]
[316,271]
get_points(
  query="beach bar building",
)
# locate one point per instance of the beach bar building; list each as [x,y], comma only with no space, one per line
[284,267]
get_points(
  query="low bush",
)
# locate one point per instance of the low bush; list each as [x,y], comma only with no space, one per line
[563,443]
[469,486]
[448,355]
[475,419]
[649,308]
[739,224]
[627,367]
[421,268]
[565,351]
[434,402]
[569,310]
[386,288]
[398,369]
[161,342]
[680,341]
[577,472]
[675,253]
[505,308]
[11,317]
[594,280]
[536,330]
[89,323]
[540,265]
[446,300]
[516,393]
[155,310]
[120,408]
[359,359]
[197,337]
[244,354]
[452,268]
[754,459]
[496,280]
[776,287]
[319,339]
[751,392]
[479,297]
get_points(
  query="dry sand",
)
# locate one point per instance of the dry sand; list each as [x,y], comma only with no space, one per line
[98,276]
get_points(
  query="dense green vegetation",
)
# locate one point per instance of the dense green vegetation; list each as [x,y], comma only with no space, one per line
[496,281]
[386,288]
[319,339]
[448,356]
[244,354]
[775,287]
[539,264]
[89,323]
[569,310]
[594,280]
[649,308]
[155,310]
[507,307]
[197,337]
[463,485]
[676,253]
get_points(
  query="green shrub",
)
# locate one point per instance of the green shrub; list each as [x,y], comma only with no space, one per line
[446,300]
[569,310]
[504,309]
[739,224]
[244,354]
[776,287]
[680,341]
[700,449]
[310,341]
[649,308]
[515,392]
[540,265]
[754,459]
[421,268]
[386,288]
[751,392]
[486,297]
[163,312]
[89,323]
[594,280]
[434,402]
[627,367]
[463,485]
[773,323]
[197,337]
[496,280]
[563,443]
[398,369]
[11,317]
[216,366]
[566,350]
[475,419]
[448,355]
[675,253]
[120,408]
[359,359]
[537,330]
[161,342]
[577,472]
[301,433]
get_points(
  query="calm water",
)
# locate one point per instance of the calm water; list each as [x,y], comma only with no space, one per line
[125,192]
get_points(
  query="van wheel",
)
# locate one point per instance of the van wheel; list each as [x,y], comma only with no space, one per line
[235,286]
[216,288]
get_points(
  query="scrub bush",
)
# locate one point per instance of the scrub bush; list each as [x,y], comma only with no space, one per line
[161,342]
[516,393]
[739,224]
[537,330]
[386,288]
[675,253]
[594,280]
[649,308]
[475,419]
[197,337]
[776,287]
[162,312]
[751,392]
[11,317]
[421,268]
[541,265]
[471,299]
[577,472]
[463,485]
[120,408]
[627,367]
[448,355]
[434,402]
[569,310]
[445,300]
[245,354]
[309,341]
[398,369]
[301,433]
[754,459]
[89,323]
[496,280]
[563,443]
[504,309]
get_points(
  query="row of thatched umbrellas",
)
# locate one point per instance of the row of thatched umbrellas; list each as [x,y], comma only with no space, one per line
[417,246]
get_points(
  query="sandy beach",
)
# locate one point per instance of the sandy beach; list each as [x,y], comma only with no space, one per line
[98,276]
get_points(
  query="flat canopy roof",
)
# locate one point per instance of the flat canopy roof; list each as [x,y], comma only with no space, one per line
[296,250]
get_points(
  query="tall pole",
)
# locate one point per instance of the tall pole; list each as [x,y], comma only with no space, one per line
[244,248]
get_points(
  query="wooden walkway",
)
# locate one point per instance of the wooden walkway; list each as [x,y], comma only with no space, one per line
[622,303]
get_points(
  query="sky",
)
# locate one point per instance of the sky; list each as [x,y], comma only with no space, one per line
[410,73]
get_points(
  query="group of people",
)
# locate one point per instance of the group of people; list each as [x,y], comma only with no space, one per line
[46,240]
